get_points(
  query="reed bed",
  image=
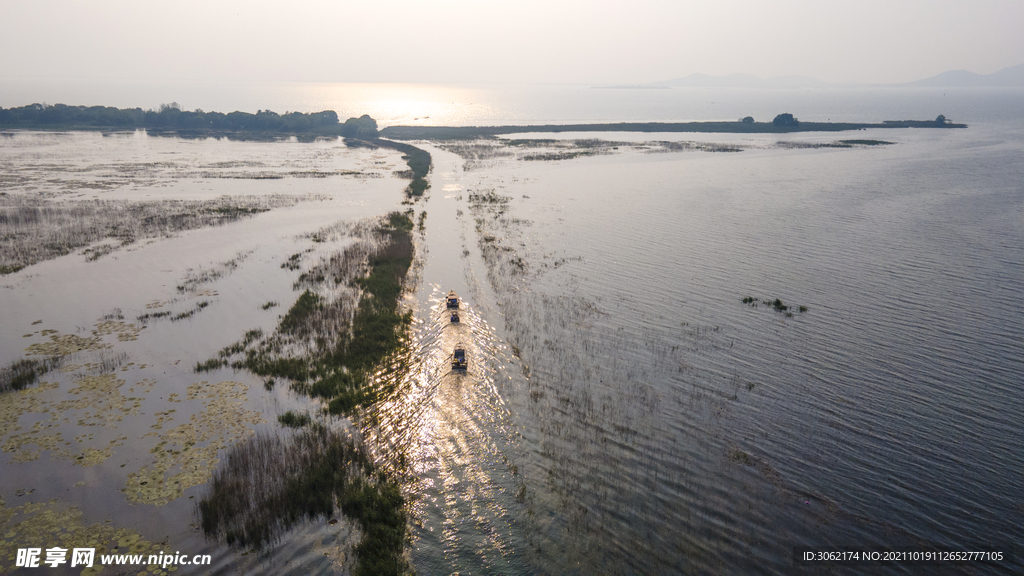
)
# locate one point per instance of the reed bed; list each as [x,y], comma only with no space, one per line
[25,371]
[346,321]
[33,229]
[268,483]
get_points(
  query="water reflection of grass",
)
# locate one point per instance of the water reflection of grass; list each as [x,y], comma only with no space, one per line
[25,371]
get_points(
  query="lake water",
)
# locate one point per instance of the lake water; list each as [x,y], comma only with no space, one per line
[624,411]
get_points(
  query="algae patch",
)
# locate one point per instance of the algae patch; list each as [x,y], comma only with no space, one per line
[64,344]
[97,397]
[185,456]
[55,524]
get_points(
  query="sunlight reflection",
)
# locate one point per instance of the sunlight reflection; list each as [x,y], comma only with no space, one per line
[442,430]
[391,104]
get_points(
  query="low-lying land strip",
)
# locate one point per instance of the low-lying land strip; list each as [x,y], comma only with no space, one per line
[418,161]
[739,127]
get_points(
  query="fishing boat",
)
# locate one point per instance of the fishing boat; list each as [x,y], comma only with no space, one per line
[455,316]
[459,358]
[452,299]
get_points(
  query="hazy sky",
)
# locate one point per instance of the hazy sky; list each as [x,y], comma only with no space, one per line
[531,41]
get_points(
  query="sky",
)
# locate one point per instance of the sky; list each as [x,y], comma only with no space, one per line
[513,41]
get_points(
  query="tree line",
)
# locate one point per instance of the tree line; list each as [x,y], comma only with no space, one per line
[172,117]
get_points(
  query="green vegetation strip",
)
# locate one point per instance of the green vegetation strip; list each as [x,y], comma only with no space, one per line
[338,372]
[418,161]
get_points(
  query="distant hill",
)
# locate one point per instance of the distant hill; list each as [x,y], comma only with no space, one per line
[1012,76]
[739,81]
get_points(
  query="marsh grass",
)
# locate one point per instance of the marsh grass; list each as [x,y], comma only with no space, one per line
[549,156]
[417,159]
[33,229]
[194,278]
[144,318]
[665,146]
[778,305]
[293,262]
[478,154]
[191,312]
[484,152]
[267,484]
[26,371]
[210,365]
[476,199]
[378,326]
[294,420]
[299,314]
[346,321]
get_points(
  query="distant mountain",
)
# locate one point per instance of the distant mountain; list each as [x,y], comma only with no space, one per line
[1007,77]
[739,81]
[1012,76]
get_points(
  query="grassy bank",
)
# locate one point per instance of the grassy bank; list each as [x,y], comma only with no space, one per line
[419,165]
[343,340]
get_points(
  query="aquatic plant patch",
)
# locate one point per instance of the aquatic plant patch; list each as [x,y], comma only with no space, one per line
[777,305]
[33,229]
[58,525]
[191,448]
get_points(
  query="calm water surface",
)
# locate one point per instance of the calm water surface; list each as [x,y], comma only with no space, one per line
[648,421]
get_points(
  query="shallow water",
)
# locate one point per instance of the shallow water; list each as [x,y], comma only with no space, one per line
[624,412]
[134,421]
[653,423]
